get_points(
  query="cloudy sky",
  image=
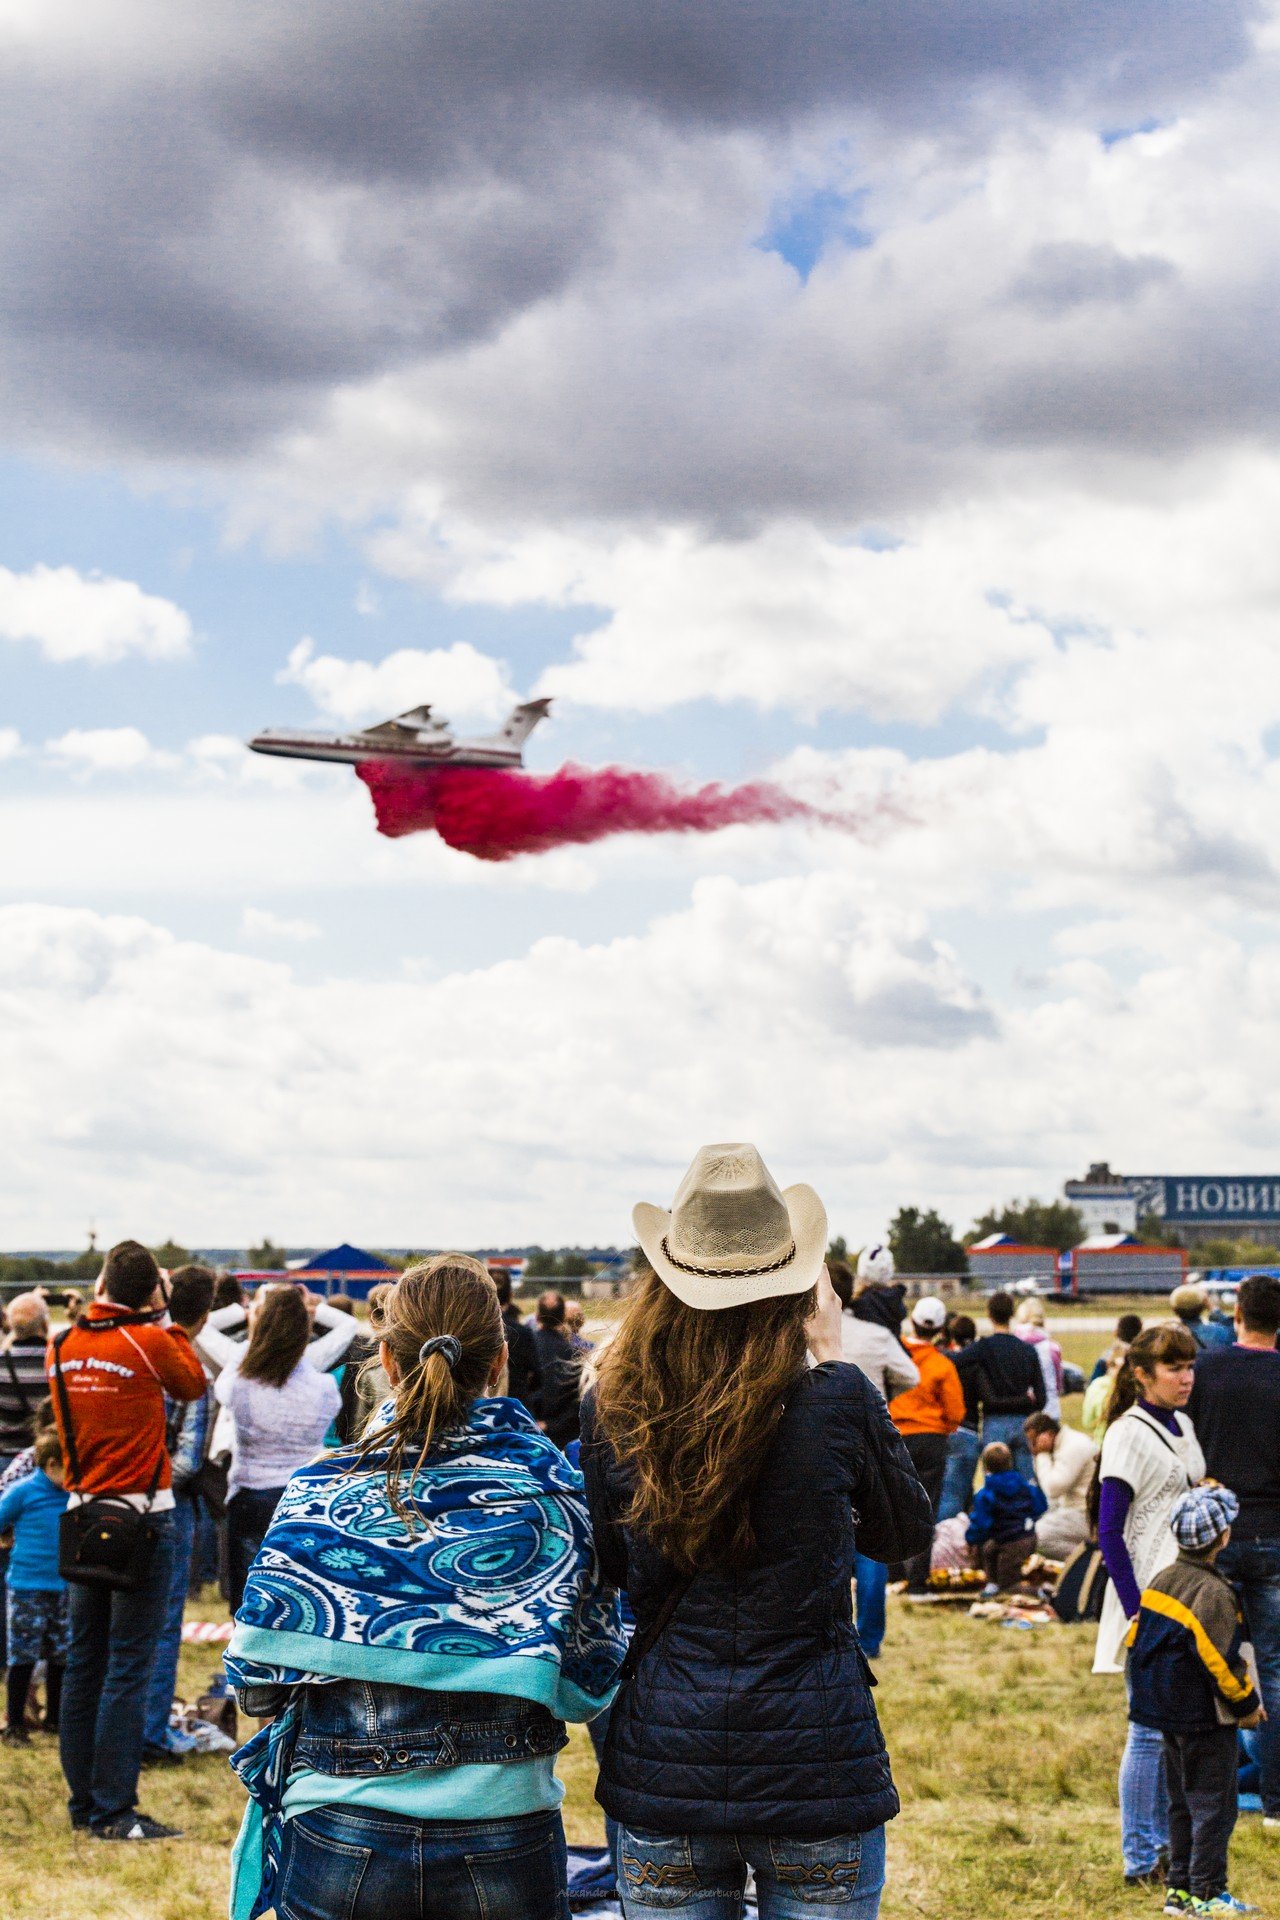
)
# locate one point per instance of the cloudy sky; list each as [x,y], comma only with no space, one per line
[883,397]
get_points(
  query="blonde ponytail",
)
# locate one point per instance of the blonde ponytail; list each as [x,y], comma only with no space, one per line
[443,1325]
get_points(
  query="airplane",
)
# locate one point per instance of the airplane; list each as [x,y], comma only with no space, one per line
[418,737]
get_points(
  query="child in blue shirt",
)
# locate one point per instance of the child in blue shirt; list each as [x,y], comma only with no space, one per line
[38,1618]
[1002,1519]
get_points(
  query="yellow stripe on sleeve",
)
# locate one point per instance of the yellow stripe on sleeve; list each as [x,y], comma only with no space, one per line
[1224,1679]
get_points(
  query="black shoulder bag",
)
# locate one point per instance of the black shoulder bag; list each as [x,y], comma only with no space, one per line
[105,1541]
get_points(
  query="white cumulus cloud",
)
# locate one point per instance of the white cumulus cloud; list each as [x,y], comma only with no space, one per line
[458,677]
[108,750]
[538,1097]
[77,616]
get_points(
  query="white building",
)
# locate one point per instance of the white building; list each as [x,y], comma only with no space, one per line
[1106,1202]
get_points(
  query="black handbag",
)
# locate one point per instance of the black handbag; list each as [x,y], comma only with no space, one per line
[105,1541]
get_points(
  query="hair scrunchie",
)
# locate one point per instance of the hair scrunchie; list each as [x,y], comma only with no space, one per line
[443,1343]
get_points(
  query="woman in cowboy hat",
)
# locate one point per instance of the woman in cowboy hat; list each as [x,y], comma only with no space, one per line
[730,1455]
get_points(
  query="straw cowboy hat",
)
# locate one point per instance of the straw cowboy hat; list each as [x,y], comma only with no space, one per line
[731,1236]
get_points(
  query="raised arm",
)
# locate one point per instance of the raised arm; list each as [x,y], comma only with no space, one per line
[213,1341]
[331,1346]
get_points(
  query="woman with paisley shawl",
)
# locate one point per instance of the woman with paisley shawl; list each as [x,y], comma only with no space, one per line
[425,1612]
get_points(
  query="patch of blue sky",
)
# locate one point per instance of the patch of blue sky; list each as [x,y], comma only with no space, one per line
[248,607]
[1112,136]
[808,221]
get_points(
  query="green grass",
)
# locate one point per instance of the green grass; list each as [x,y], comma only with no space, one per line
[1004,1747]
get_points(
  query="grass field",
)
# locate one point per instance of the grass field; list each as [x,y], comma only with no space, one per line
[1004,1747]
[1005,1750]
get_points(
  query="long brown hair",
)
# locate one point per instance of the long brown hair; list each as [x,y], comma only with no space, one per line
[281,1331]
[1168,1342]
[690,1402]
[449,1295]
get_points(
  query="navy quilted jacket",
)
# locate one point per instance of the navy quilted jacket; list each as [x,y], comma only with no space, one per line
[752,1712]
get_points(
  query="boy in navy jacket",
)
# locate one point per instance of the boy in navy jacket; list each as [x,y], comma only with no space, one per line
[1002,1519]
[1188,1678]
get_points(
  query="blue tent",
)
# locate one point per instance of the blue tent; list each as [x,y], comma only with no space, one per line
[345,1269]
[347,1259]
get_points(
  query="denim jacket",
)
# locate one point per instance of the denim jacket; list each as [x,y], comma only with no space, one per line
[361,1727]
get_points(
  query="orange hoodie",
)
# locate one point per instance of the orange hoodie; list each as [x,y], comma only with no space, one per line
[116,1380]
[937,1404]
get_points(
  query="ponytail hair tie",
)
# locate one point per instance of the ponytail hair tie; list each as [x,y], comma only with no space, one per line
[442,1343]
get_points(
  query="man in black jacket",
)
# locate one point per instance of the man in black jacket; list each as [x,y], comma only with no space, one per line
[524,1373]
[561,1371]
[1003,1383]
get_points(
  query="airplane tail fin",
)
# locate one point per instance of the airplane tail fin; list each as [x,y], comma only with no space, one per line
[521,722]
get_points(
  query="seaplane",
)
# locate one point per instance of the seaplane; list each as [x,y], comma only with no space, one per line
[418,738]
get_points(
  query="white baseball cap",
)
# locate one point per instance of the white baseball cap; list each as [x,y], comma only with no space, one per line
[929,1313]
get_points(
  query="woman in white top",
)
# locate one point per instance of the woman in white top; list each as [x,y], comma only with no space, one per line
[1150,1456]
[282,1403]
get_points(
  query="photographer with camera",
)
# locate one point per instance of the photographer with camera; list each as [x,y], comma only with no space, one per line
[109,1375]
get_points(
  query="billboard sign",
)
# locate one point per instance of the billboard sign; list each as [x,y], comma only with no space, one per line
[1210,1200]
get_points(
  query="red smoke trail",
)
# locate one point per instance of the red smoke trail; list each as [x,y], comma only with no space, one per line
[496,814]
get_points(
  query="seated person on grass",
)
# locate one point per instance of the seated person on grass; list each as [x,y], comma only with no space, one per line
[1002,1519]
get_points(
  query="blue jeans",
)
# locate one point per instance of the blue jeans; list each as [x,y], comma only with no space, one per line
[353,1863]
[1008,1428]
[964,1449]
[1253,1568]
[703,1875]
[104,1693]
[871,1580]
[1144,1800]
[164,1666]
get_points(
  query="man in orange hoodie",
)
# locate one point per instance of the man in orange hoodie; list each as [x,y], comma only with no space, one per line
[116,1364]
[926,1414]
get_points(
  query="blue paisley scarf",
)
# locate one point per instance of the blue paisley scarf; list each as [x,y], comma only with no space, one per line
[497,1590]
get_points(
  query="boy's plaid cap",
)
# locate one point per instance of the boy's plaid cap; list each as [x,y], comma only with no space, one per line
[1201,1515]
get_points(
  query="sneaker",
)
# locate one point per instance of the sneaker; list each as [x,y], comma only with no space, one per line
[1150,1877]
[160,1757]
[1178,1900]
[1272,1820]
[16,1737]
[135,1826]
[1226,1903]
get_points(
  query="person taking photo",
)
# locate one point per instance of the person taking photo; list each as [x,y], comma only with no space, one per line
[110,1373]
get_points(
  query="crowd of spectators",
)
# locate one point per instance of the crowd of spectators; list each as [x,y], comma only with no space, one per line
[176,1406]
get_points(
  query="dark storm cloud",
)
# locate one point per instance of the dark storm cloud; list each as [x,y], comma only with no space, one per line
[212,224]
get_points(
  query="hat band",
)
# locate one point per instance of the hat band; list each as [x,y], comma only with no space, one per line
[728,1273]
